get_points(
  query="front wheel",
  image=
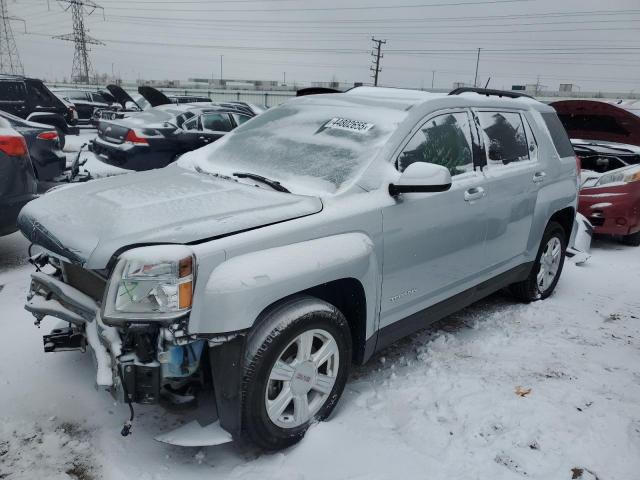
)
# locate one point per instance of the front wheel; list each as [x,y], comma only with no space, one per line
[297,363]
[547,267]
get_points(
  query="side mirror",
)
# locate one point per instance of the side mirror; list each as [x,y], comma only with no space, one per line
[422,177]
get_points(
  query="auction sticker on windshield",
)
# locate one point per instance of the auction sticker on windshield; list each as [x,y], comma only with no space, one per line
[350,125]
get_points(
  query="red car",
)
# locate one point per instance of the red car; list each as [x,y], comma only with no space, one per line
[606,138]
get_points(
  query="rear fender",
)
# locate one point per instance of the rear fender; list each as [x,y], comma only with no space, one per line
[240,288]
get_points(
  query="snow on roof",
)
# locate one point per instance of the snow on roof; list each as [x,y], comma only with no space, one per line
[405,94]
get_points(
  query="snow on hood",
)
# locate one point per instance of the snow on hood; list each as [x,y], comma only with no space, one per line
[87,224]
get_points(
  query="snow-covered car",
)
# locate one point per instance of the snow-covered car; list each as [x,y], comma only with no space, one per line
[606,138]
[252,273]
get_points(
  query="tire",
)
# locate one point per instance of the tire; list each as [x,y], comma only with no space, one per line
[533,288]
[278,337]
[632,240]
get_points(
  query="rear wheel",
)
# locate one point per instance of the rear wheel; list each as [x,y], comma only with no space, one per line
[547,267]
[297,362]
[633,239]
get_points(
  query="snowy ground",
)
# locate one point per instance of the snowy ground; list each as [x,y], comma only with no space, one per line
[94,166]
[440,405]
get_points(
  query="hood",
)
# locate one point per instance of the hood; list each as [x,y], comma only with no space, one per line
[87,223]
[121,96]
[594,120]
[153,96]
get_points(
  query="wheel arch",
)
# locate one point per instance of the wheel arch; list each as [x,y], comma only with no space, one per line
[565,218]
[345,294]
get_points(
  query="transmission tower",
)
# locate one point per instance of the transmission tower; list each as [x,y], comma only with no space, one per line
[82,69]
[9,58]
[377,55]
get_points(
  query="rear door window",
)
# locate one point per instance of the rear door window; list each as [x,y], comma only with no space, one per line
[41,95]
[12,91]
[216,122]
[504,137]
[444,140]
[76,96]
[558,134]
[98,97]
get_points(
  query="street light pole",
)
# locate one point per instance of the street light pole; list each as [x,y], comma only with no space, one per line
[221,68]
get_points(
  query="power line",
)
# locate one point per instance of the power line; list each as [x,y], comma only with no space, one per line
[322,9]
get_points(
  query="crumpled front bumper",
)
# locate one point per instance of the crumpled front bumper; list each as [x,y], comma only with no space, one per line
[49,296]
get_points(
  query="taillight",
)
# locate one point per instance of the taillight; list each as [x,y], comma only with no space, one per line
[48,136]
[133,137]
[14,146]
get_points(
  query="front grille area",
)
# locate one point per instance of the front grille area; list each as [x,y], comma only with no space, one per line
[84,280]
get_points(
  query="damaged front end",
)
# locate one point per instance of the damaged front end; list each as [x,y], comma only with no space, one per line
[135,323]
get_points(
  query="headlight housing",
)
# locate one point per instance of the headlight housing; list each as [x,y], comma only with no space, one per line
[623,175]
[149,284]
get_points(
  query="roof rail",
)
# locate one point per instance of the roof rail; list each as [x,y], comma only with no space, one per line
[489,92]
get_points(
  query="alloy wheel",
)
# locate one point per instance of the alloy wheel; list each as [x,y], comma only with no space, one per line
[549,264]
[302,378]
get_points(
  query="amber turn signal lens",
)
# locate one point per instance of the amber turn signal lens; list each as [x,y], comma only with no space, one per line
[185,295]
[634,178]
[185,267]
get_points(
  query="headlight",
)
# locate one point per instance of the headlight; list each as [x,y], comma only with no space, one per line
[623,175]
[150,283]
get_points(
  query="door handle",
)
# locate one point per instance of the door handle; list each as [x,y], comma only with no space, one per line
[474,193]
[539,177]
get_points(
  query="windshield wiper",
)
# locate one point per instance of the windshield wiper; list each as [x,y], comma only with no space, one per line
[272,183]
[213,174]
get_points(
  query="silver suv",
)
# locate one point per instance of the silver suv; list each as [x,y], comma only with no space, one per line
[245,279]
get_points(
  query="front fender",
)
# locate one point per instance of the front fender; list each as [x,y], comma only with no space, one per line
[241,287]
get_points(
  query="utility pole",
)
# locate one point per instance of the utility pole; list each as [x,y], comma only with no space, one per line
[82,69]
[375,68]
[433,78]
[475,82]
[9,58]
[221,69]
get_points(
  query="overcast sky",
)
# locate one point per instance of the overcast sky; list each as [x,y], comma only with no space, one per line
[591,43]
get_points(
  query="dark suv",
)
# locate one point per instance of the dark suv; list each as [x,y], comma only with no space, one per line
[30,99]
[86,102]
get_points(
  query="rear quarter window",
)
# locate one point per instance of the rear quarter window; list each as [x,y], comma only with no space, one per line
[12,91]
[558,134]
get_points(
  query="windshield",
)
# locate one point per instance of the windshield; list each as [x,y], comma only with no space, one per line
[308,148]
